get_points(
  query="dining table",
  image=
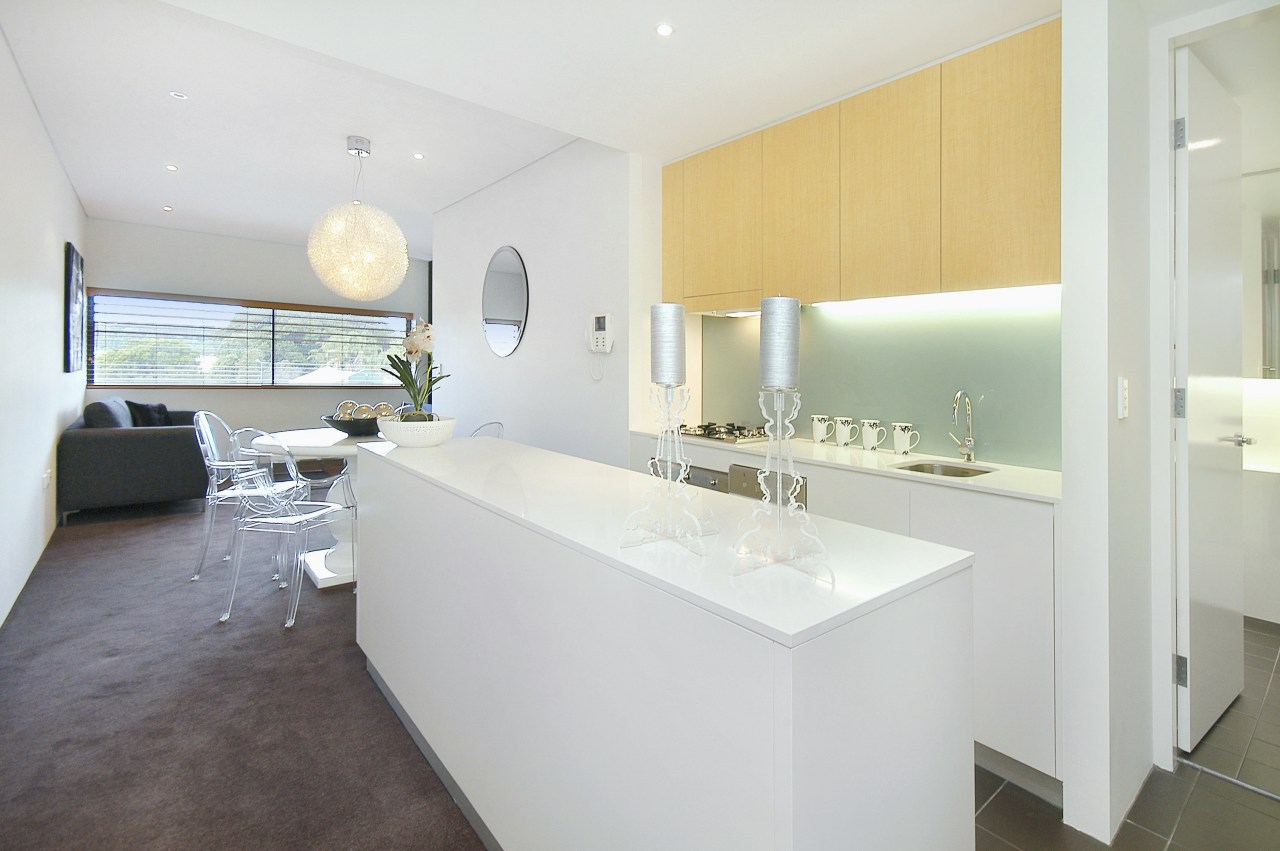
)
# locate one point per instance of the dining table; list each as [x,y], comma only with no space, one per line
[334,565]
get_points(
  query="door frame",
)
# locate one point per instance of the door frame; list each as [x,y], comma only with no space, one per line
[1164,39]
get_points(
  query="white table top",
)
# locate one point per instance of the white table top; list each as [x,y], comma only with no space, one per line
[586,505]
[315,442]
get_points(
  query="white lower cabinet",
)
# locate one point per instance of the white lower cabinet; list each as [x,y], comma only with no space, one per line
[1013,613]
[876,501]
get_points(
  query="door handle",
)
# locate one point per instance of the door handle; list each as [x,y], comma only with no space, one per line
[1241,440]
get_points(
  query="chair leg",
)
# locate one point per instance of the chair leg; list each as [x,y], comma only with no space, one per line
[237,558]
[295,596]
[282,561]
[210,513]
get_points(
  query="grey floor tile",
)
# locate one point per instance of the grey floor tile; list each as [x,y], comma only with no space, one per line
[1246,706]
[1216,759]
[1260,651]
[1159,802]
[1267,732]
[1186,771]
[1130,837]
[1260,625]
[1269,712]
[1265,753]
[1259,663]
[1261,775]
[1255,689]
[985,784]
[1231,741]
[1212,823]
[986,841]
[1025,821]
[1232,720]
[1239,794]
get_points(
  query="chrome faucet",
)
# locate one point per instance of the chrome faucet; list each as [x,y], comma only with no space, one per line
[966,445]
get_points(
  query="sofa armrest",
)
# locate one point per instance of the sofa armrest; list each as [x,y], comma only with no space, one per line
[101,467]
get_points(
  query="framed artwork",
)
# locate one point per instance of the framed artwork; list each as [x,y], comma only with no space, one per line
[76,310]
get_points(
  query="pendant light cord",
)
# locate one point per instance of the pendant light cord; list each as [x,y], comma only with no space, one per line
[357,182]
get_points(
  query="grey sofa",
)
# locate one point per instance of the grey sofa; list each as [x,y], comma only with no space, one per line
[106,460]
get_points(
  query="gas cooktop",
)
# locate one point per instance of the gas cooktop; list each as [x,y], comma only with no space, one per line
[726,433]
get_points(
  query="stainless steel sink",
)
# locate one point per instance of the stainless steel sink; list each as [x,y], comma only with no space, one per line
[941,468]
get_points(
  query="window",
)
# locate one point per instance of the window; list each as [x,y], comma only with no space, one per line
[146,339]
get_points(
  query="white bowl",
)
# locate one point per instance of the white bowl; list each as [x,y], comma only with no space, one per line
[412,434]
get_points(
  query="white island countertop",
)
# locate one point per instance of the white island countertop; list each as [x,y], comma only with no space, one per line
[585,505]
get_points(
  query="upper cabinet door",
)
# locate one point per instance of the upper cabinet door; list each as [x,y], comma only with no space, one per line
[802,207]
[1001,163]
[889,188]
[673,232]
[722,227]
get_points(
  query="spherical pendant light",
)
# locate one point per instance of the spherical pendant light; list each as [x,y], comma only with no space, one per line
[357,250]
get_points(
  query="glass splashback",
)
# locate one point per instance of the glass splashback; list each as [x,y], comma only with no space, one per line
[903,359]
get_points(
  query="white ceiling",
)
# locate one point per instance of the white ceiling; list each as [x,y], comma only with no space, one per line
[481,89]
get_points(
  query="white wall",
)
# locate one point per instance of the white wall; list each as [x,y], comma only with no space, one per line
[1103,571]
[39,215]
[163,260]
[568,215]
[1129,353]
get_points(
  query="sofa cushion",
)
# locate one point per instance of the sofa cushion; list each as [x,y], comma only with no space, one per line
[111,412]
[149,415]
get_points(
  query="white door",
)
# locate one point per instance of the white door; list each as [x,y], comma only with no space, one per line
[1208,478]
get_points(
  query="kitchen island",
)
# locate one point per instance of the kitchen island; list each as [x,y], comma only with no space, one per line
[575,694]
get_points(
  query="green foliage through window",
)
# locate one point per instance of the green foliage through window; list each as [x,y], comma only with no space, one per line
[149,340]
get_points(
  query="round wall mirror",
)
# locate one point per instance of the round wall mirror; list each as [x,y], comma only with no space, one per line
[505,301]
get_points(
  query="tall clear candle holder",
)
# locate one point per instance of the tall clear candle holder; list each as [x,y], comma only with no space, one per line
[671,510]
[779,530]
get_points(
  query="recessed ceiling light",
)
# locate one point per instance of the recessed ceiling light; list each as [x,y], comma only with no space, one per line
[178,95]
[665,30]
[418,156]
[167,208]
[170,167]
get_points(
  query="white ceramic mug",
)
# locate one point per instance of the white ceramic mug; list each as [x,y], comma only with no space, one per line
[905,438]
[873,434]
[846,431]
[822,427]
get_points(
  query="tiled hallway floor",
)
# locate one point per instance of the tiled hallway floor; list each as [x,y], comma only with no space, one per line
[1245,741]
[1188,810]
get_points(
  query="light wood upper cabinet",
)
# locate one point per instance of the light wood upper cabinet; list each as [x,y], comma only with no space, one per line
[673,232]
[722,222]
[801,197]
[890,208]
[1001,163]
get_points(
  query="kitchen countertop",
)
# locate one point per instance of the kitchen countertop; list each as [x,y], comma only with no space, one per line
[1003,480]
[586,505]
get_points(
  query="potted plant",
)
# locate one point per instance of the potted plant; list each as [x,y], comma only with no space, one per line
[418,375]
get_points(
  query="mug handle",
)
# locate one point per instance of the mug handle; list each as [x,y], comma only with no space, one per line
[881,434]
[853,435]
[915,438]
[831,429]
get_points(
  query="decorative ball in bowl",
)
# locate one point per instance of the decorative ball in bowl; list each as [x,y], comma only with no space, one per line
[417,434]
[354,428]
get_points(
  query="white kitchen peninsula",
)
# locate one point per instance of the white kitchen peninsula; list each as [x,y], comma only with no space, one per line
[578,695]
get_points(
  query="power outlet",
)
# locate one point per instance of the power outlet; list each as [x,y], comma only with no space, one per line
[46,480]
[1122,398]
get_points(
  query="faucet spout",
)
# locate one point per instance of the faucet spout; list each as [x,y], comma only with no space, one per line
[966,445]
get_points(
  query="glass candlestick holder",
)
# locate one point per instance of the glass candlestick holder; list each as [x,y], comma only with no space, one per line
[671,510]
[779,530]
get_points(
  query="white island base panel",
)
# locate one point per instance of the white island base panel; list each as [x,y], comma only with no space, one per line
[572,704]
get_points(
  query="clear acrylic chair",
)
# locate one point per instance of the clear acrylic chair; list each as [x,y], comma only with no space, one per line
[220,462]
[265,507]
[489,429]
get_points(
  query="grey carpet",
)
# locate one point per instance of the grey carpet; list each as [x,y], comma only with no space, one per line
[130,718]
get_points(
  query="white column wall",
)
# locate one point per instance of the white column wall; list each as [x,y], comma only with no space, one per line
[163,260]
[40,214]
[569,216]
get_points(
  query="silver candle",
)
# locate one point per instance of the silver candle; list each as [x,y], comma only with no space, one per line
[779,342]
[666,344]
